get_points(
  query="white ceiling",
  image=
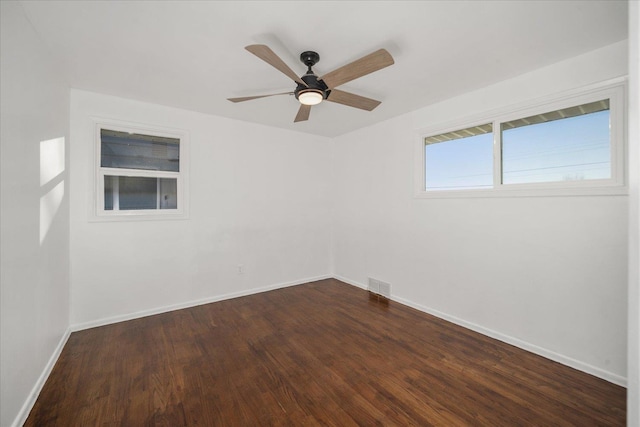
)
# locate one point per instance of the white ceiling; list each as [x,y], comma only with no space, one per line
[191,54]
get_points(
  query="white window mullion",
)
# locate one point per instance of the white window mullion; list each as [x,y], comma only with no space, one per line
[497,155]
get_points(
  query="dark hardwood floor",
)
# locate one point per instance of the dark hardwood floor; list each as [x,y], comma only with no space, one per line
[323,353]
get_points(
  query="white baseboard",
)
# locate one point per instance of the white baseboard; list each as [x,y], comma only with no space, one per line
[549,354]
[194,303]
[350,282]
[21,418]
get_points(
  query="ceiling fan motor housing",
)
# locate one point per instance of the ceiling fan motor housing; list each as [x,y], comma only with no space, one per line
[310,58]
[313,85]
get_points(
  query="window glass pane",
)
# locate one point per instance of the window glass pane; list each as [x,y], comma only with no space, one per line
[168,188]
[563,145]
[139,193]
[460,160]
[109,182]
[138,151]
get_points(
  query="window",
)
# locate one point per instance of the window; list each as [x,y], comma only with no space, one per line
[461,159]
[569,146]
[140,173]
[563,145]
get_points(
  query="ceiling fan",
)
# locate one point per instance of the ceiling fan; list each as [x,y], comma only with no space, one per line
[312,90]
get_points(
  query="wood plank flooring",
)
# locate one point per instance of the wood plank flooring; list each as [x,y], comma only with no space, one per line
[324,353]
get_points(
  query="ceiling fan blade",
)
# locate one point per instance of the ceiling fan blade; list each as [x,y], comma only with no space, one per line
[267,55]
[249,98]
[303,113]
[352,100]
[358,68]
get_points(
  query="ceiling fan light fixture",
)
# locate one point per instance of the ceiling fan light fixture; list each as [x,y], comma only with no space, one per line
[311,89]
[310,97]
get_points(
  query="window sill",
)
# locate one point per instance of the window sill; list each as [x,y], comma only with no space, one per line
[136,216]
[522,192]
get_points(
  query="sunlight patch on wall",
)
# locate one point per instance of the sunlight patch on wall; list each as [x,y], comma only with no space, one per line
[52,167]
[51,159]
[49,205]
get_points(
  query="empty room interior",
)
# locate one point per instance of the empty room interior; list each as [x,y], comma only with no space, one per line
[251,213]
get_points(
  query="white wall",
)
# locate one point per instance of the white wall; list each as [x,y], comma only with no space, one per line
[545,273]
[633,386]
[259,197]
[34,252]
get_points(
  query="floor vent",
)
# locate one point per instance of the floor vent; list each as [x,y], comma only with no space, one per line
[379,287]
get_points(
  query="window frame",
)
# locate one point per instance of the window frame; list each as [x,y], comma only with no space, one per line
[616,185]
[181,212]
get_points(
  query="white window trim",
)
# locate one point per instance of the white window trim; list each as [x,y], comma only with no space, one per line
[614,89]
[182,211]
